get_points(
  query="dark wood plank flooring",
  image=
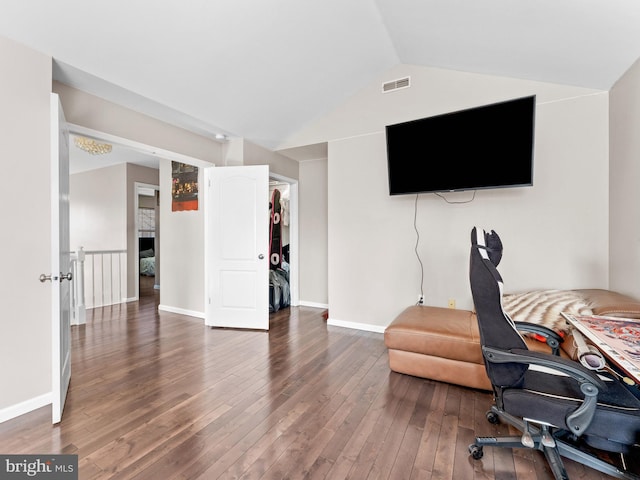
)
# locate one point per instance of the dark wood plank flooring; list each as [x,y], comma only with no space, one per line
[156,395]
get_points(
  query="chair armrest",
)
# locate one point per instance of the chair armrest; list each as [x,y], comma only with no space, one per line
[564,365]
[552,338]
[590,383]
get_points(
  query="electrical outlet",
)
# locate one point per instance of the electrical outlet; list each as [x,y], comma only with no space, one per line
[452,303]
[420,299]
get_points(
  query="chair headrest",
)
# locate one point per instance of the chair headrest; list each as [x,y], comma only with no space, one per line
[488,243]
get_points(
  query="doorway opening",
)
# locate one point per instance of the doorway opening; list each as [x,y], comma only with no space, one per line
[147,246]
[237,245]
[280,245]
[290,236]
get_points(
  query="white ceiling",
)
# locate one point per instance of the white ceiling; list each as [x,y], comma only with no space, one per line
[264,69]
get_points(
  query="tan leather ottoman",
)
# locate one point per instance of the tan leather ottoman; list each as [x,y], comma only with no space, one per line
[438,343]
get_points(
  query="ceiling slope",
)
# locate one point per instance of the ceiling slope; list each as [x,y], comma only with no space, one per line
[263,70]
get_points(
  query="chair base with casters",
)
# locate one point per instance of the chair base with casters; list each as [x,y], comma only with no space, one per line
[561,447]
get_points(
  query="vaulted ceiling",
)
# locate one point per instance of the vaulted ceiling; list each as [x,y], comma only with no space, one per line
[263,69]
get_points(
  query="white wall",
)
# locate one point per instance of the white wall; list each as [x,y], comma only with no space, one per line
[25,212]
[97,206]
[550,231]
[255,155]
[313,233]
[182,251]
[98,114]
[624,209]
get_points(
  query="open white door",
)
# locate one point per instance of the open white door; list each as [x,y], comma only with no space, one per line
[237,243]
[60,260]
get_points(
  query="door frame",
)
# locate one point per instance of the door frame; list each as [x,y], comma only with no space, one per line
[294,249]
[136,247]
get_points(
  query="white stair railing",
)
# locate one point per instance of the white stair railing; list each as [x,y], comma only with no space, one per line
[78,307]
[100,279]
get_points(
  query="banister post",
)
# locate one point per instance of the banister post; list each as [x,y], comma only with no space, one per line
[78,280]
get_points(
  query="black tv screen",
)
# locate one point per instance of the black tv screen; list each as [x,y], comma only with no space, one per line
[490,146]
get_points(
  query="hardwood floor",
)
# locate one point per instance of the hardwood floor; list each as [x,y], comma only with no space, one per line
[160,396]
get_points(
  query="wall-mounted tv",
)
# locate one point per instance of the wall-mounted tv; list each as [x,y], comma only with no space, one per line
[489,146]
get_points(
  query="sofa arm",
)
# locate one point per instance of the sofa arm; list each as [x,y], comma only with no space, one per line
[612,304]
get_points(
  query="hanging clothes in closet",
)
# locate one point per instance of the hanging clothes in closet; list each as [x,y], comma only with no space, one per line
[279,294]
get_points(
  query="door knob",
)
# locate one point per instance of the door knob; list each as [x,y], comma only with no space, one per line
[68,276]
[261,256]
[50,278]
[44,278]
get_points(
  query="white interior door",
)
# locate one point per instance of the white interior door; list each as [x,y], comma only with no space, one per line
[60,260]
[236,239]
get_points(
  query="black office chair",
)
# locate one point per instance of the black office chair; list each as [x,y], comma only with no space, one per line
[561,407]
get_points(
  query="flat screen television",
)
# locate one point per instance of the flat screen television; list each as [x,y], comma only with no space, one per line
[489,146]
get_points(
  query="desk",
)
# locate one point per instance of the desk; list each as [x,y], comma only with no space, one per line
[617,338]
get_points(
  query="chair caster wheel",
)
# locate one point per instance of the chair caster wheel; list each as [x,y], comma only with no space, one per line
[476,451]
[493,418]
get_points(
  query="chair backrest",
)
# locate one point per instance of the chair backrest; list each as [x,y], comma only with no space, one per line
[497,330]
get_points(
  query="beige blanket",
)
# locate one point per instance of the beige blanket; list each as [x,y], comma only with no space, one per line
[543,307]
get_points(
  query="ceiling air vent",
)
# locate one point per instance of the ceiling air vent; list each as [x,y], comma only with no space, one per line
[396,84]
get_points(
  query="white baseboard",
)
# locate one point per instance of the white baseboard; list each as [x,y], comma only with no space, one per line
[27,406]
[356,326]
[180,311]
[302,303]
[124,300]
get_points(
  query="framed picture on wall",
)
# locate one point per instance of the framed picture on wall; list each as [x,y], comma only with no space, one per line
[184,187]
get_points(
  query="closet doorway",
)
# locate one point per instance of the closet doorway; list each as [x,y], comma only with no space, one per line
[283,260]
[236,274]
